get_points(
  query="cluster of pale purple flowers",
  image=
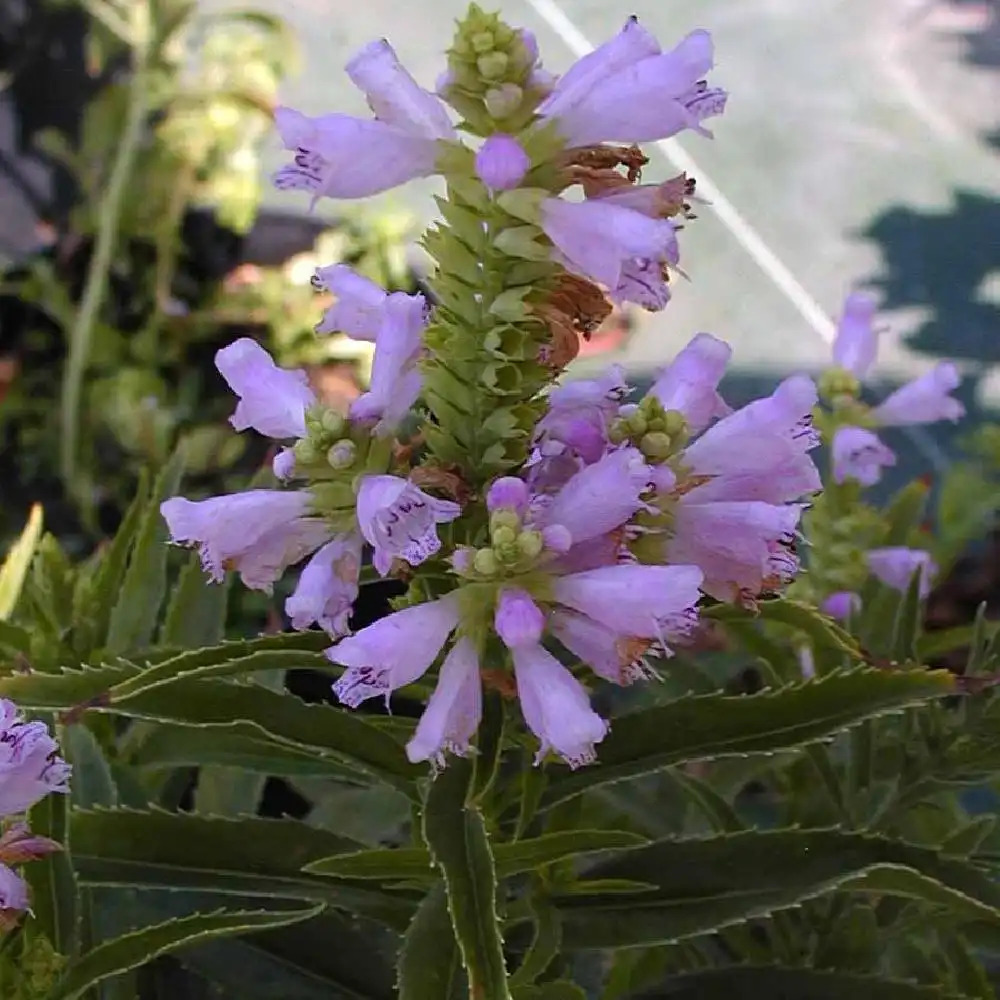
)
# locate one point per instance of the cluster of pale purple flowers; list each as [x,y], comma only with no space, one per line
[859,455]
[627,91]
[598,550]
[30,769]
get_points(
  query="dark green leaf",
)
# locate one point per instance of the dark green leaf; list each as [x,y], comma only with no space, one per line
[54,895]
[562,989]
[92,784]
[456,834]
[544,944]
[132,950]
[66,690]
[429,959]
[510,858]
[14,638]
[790,984]
[698,886]
[247,857]
[282,717]
[709,726]
[196,611]
[134,616]
[94,615]
[822,630]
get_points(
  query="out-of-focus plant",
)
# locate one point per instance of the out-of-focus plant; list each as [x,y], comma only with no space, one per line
[122,314]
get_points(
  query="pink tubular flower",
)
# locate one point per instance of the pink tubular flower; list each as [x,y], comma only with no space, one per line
[627,90]
[394,96]
[273,400]
[555,706]
[327,587]
[507,493]
[649,602]
[604,242]
[360,306]
[690,382]
[859,454]
[339,156]
[396,381]
[924,400]
[655,200]
[399,520]
[393,652]
[759,452]
[616,657]
[842,605]
[30,765]
[453,711]
[895,567]
[856,344]
[501,162]
[259,533]
[742,547]
[600,497]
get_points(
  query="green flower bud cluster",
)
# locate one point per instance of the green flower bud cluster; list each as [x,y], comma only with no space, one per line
[489,74]
[839,540]
[327,443]
[513,548]
[658,433]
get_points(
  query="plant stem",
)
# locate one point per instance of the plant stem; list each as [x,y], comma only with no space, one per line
[109,216]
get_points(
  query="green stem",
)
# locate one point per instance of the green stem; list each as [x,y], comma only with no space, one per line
[96,286]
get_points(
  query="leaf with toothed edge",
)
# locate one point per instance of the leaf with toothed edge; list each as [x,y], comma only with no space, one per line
[111,958]
[703,727]
[698,886]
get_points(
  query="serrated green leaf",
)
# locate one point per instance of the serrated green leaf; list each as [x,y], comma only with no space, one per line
[135,614]
[66,690]
[701,885]
[92,784]
[429,961]
[14,638]
[168,746]
[456,834]
[16,563]
[822,630]
[196,611]
[248,857]
[703,727]
[793,983]
[510,858]
[132,950]
[544,943]
[54,895]
[966,839]
[330,957]
[172,671]
[281,717]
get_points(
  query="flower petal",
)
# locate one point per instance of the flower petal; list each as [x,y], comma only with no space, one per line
[690,382]
[453,711]
[273,400]
[360,305]
[925,400]
[327,587]
[556,706]
[518,620]
[393,652]
[394,96]
[856,345]
[501,162]
[612,655]
[860,455]
[895,567]
[30,765]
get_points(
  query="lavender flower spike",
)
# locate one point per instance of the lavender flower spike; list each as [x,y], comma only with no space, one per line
[453,711]
[630,91]
[327,587]
[856,343]
[924,400]
[690,382]
[598,239]
[393,652]
[260,533]
[896,565]
[860,455]
[399,520]
[273,400]
[30,765]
